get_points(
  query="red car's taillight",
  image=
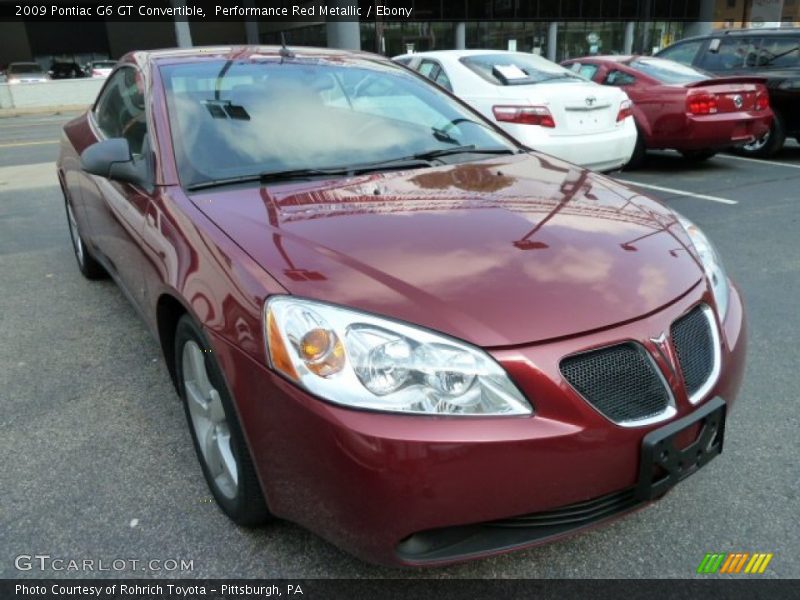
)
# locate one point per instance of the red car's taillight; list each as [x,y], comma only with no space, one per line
[524,115]
[702,104]
[762,101]
[625,110]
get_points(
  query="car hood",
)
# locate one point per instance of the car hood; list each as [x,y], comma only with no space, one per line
[508,251]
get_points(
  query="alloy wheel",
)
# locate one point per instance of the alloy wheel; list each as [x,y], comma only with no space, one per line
[209,421]
[77,242]
[758,144]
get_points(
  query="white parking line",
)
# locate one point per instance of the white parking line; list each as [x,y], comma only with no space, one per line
[677,192]
[759,160]
[36,143]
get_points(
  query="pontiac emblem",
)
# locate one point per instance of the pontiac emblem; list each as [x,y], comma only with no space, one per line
[663,348]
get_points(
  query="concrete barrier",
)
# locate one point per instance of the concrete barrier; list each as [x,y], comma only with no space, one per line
[50,94]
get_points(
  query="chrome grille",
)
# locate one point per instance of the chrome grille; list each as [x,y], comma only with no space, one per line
[622,382]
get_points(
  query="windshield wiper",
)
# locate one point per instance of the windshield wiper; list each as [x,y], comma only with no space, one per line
[468,149]
[304,173]
[421,159]
[290,174]
[270,176]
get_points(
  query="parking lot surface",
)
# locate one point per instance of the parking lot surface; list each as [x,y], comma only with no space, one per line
[98,462]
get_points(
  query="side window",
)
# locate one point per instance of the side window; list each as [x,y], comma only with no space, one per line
[585,71]
[120,109]
[434,71]
[619,78]
[443,80]
[682,53]
[733,53]
[779,52]
[426,68]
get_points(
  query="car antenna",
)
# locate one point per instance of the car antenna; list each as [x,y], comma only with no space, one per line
[284,51]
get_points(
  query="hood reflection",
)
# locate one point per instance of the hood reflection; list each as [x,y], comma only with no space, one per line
[496,252]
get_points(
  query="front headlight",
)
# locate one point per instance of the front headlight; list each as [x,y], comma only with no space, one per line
[363,361]
[712,264]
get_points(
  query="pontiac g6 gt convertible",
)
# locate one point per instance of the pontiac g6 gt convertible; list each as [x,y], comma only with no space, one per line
[389,321]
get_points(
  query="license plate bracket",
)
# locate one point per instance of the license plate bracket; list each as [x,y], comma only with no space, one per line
[663,464]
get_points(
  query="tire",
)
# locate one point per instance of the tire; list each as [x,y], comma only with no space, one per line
[89,267]
[768,145]
[639,153]
[697,156]
[216,433]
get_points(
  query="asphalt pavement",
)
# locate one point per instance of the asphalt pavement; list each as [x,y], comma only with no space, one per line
[98,463]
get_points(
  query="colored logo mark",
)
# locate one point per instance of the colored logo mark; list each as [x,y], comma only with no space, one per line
[734,562]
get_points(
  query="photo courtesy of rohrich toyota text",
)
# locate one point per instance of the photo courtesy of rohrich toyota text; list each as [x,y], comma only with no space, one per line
[399,299]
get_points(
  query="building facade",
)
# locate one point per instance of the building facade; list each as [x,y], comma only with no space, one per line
[557,29]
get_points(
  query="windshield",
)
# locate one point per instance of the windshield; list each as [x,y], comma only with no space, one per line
[517,69]
[242,118]
[667,71]
[24,68]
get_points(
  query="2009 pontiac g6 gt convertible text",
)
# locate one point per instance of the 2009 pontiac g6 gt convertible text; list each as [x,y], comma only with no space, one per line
[389,321]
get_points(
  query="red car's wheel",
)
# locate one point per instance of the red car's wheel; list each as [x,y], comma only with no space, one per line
[89,267]
[217,435]
[767,145]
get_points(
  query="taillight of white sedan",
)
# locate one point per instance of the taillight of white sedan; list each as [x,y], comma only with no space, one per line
[543,105]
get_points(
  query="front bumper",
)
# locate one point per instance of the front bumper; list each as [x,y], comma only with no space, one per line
[369,481]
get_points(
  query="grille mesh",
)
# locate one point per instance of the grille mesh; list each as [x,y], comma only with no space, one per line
[694,345]
[620,381]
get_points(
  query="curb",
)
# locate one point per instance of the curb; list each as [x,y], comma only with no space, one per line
[42,110]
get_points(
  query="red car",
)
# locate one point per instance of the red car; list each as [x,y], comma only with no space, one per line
[681,108]
[388,321]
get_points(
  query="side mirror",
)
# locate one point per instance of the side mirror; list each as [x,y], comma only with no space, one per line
[112,159]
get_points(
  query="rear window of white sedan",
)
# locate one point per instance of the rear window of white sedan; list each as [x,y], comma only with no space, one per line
[517,69]
[667,71]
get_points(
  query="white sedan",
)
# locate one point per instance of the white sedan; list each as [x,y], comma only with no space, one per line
[540,103]
[100,69]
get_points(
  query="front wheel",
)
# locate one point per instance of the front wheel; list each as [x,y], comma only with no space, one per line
[768,144]
[217,436]
[89,267]
[698,155]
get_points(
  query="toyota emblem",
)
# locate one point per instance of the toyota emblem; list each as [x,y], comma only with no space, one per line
[590,100]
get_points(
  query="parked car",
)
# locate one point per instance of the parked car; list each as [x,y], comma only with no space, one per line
[25,72]
[65,70]
[388,321]
[541,104]
[773,54]
[100,68]
[680,107]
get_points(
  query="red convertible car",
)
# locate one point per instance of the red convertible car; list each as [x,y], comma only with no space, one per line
[681,108]
[387,320]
